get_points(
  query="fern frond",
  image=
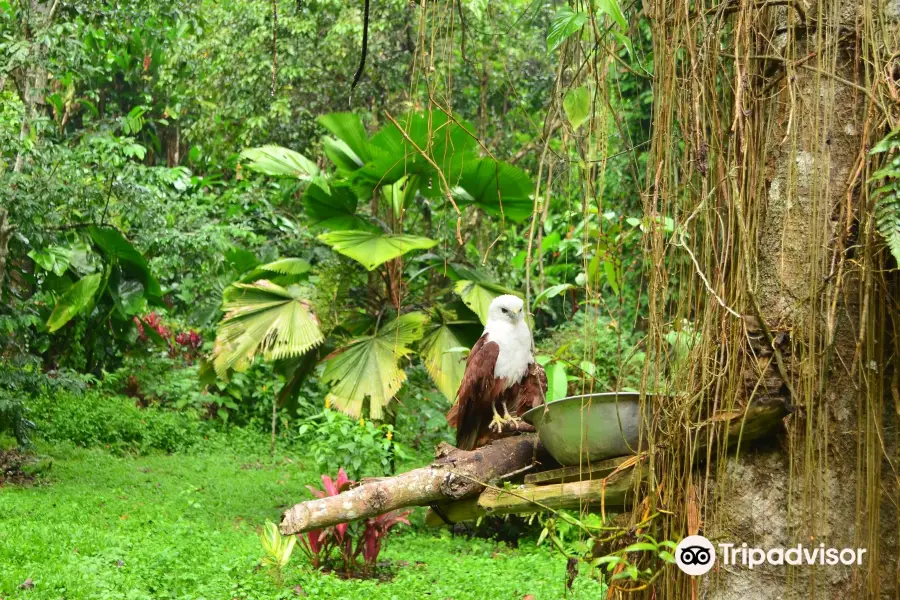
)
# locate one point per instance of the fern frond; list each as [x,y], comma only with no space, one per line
[887,218]
[887,196]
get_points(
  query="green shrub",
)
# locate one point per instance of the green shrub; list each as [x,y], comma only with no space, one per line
[610,355]
[421,421]
[21,380]
[155,378]
[114,422]
[361,447]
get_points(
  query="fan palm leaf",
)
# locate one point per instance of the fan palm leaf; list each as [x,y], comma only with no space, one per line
[264,317]
[369,367]
[442,351]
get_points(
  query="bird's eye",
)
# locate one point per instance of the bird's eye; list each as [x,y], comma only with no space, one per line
[504,310]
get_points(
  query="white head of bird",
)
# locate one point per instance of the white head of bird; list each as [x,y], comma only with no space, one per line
[507,327]
[507,308]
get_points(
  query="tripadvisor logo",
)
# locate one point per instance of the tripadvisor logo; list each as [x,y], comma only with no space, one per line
[695,555]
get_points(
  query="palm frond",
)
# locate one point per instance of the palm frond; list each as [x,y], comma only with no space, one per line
[369,367]
[264,317]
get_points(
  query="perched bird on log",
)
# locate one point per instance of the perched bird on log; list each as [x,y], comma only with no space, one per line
[500,373]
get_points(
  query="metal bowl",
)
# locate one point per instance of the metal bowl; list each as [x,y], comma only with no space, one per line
[590,427]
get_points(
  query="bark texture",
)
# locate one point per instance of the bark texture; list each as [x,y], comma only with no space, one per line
[5,233]
[806,487]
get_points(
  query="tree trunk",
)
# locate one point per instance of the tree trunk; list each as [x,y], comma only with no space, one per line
[819,483]
[5,233]
[810,488]
[776,108]
[34,78]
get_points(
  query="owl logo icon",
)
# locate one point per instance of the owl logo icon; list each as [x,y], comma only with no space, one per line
[695,555]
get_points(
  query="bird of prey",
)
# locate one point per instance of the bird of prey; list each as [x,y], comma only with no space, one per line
[500,373]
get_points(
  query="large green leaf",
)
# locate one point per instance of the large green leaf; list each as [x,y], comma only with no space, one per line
[400,194]
[497,188]
[446,141]
[577,105]
[557,382]
[280,161]
[52,258]
[369,367]
[334,210]
[564,23]
[240,260]
[612,8]
[133,263]
[288,266]
[478,295]
[552,292]
[264,317]
[438,348]
[341,155]
[373,249]
[82,259]
[76,299]
[128,294]
[349,130]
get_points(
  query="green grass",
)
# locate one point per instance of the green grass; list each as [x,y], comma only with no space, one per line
[99,526]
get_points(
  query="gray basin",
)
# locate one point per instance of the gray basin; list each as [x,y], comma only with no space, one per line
[586,428]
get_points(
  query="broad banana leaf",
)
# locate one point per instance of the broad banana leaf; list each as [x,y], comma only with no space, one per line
[76,299]
[373,249]
[264,317]
[369,366]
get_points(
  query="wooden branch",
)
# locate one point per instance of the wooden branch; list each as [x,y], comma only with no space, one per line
[613,492]
[454,481]
[456,474]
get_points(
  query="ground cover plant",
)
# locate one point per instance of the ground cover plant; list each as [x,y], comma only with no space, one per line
[187,525]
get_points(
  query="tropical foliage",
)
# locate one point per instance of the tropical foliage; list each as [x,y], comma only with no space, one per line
[379,184]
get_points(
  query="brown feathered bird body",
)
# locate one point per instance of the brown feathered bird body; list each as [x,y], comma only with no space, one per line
[500,375]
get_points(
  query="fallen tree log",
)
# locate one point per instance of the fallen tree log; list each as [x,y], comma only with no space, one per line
[455,479]
[612,489]
[454,475]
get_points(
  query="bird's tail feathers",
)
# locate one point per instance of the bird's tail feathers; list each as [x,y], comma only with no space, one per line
[467,434]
